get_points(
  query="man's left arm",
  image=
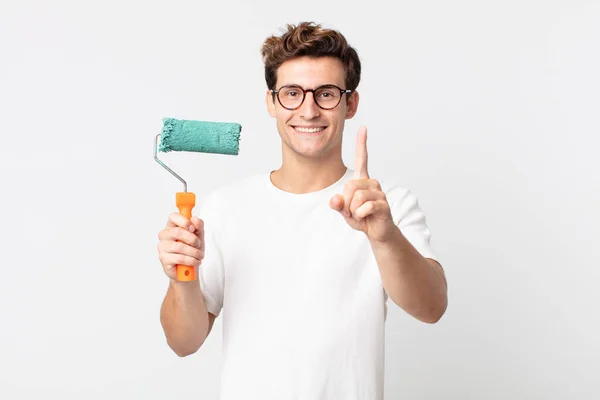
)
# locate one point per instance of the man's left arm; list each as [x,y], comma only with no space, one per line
[415,283]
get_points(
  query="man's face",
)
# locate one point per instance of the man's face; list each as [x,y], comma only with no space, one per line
[311,131]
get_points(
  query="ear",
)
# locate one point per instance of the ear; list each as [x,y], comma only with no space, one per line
[352,105]
[270,104]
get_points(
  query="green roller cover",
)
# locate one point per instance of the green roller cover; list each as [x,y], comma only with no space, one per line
[200,136]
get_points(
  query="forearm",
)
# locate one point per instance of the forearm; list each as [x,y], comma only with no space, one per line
[184,317]
[414,283]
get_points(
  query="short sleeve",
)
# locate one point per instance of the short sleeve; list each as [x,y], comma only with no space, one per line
[409,217]
[211,272]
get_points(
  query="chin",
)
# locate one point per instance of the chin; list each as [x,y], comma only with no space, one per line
[312,152]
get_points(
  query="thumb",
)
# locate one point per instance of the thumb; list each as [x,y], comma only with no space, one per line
[198,224]
[337,202]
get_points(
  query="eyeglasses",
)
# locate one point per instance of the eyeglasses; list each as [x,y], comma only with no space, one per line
[327,97]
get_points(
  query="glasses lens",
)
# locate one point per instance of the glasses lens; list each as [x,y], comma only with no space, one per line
[328,96]
[290,96]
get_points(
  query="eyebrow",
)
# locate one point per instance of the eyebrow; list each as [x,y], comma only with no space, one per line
[296,84]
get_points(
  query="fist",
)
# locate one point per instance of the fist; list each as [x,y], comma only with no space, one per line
[181,242]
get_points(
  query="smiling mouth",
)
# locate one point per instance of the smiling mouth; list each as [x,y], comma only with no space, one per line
[311,129]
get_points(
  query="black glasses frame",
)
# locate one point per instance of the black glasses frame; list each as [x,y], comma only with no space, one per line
[304,91]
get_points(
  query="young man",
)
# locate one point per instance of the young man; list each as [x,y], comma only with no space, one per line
[302,260]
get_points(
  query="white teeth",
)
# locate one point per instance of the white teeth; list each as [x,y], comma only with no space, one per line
[309,130]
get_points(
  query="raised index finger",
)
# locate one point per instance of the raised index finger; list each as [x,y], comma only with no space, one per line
[360,160]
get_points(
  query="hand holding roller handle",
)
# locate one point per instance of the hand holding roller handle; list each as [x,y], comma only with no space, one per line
[185,203]
[181,245]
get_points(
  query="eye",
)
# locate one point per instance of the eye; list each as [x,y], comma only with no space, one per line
[291,92]
[326,94]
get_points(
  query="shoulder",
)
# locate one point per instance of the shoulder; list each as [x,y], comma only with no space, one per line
[231,194]
[395,192]
[242,185]
[402,200]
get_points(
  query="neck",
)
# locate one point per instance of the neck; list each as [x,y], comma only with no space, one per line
[299,174]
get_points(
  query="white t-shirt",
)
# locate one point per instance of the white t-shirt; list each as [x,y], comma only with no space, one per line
[303,305]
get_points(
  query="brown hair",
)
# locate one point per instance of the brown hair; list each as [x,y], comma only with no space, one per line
[309,39]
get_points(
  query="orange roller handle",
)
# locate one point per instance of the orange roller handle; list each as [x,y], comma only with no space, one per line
[185,202]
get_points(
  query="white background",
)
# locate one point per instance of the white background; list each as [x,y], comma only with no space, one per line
[488,111]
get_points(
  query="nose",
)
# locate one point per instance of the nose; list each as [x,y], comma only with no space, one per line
[309,108]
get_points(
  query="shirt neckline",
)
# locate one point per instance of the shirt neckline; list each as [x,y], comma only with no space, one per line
[331,189]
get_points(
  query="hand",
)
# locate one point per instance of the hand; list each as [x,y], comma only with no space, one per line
[181,242]
[363,205]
